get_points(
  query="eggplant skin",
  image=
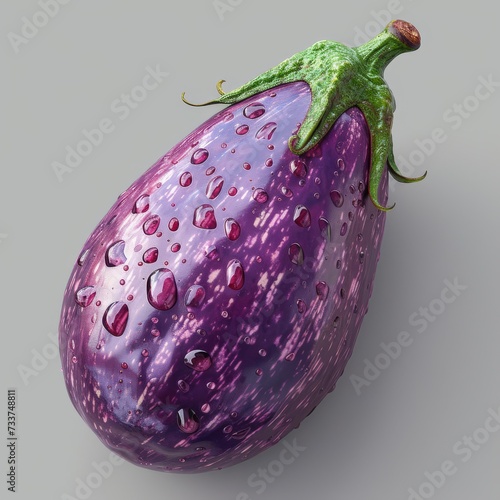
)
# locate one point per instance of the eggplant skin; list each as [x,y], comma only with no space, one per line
[219,300]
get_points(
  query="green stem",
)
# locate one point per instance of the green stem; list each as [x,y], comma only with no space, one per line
[380,51]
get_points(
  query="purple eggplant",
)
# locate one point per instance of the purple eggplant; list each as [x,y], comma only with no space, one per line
[219,300]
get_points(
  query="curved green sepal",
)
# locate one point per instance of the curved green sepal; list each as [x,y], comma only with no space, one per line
[397,175]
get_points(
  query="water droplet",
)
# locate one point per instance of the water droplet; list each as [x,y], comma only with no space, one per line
[227,429]
[210,171]
[124,365]
[241,434]
[232,191]
[325,229]
[194,296]
[144,353]
[210,385]
[352,189]
[115,318]
[211,252]
[361,257]
[204,217]
[290,357]
[83,257]
[341,164]
[322,290]
[183,385]
[287,192]
[155,332]
[151,225]
[161,289]
[302,216]
[242,129]
[269,162]
[254,110]
[115,254]
[339,264]
[301,306]
[232,229]
[224,314]
[141,204]
[298,168]
[258,372]
[260,196]
[214,187]
[337,198]
[74,359]
[262,352]
[186,179]
[205,408]
[247,166]
[267,131]
[187,421]
[235,275]
[198,360]
[85,296]
[343,229]
[296,254]
[336,322]
[199,156]
[342,293]
[175,247]
[122,282]
[150,255]
[173,224]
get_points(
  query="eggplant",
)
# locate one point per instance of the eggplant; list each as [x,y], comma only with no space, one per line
[218,301]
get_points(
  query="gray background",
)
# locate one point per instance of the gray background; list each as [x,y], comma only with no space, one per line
[376,444]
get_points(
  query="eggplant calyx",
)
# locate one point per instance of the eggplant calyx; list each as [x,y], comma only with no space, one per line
[339,78]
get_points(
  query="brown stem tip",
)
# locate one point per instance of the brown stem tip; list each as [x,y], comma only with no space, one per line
[405,32]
